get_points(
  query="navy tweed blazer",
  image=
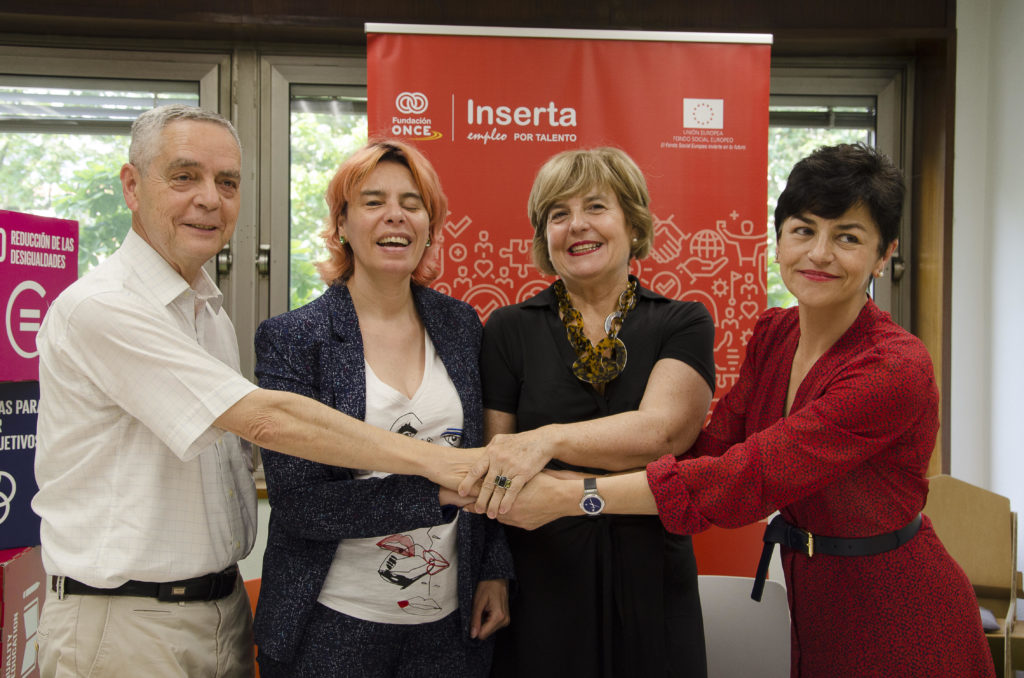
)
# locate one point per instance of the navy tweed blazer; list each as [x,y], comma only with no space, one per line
[317,351]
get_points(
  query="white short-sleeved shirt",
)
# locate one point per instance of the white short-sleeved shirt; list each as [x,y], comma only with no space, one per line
[134,481]
[410,577]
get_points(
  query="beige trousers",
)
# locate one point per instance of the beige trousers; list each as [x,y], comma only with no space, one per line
[128,637]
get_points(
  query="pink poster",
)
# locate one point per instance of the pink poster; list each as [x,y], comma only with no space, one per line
[691,109]
[38,259]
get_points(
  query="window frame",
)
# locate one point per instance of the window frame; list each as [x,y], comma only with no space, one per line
[208,69]
[891,83]
[211,70]
[278,74]
[251,86]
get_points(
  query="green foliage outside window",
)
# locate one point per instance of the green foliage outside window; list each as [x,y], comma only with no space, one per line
[319,143]
[70,176]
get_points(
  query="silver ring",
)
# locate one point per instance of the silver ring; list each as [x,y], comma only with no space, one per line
[503,482]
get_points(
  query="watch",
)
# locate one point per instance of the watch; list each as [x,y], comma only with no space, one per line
[592,503]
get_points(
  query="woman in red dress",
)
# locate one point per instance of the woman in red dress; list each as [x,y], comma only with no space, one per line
[832,423]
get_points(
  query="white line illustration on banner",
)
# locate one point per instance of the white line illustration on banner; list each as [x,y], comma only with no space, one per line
[6,497]
[31,313]
[30,624]
[686,263]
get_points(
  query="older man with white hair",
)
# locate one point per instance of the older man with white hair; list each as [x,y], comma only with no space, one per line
[145,488]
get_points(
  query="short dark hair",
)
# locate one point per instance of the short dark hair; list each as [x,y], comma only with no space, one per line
[833,179]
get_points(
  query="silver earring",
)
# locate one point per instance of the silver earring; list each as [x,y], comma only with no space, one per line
[341,240]
[428,242]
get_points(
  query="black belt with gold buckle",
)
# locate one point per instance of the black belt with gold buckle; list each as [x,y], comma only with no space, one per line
[781,532]
[208,587]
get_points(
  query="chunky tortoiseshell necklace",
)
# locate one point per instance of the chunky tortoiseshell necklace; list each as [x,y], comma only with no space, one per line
[601,363]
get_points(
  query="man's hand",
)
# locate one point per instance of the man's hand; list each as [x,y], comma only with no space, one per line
[448,467]
[446,497]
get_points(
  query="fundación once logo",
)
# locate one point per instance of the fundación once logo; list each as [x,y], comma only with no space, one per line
[411,122]
[411,103]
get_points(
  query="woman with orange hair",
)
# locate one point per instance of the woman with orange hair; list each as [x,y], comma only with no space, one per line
[367,573]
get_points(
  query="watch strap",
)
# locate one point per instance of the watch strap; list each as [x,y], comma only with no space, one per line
[592,503]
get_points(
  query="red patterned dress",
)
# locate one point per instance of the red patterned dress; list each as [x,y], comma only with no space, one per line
[848,461]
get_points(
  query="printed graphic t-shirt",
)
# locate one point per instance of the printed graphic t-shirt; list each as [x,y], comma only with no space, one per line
[411,577]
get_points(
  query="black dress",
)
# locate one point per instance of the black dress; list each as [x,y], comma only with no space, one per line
[606,596]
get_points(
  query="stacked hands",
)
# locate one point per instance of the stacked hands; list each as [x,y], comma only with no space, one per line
[506,480]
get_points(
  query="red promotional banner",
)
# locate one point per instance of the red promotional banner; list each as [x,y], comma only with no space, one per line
[488,110]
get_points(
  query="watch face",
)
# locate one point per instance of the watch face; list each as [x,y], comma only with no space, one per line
[593,504]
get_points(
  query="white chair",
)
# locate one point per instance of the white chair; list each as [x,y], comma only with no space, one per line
[744,637]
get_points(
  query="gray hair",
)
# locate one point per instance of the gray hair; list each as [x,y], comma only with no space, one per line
[147,128]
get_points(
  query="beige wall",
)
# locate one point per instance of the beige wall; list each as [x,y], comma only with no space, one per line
[986,396]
